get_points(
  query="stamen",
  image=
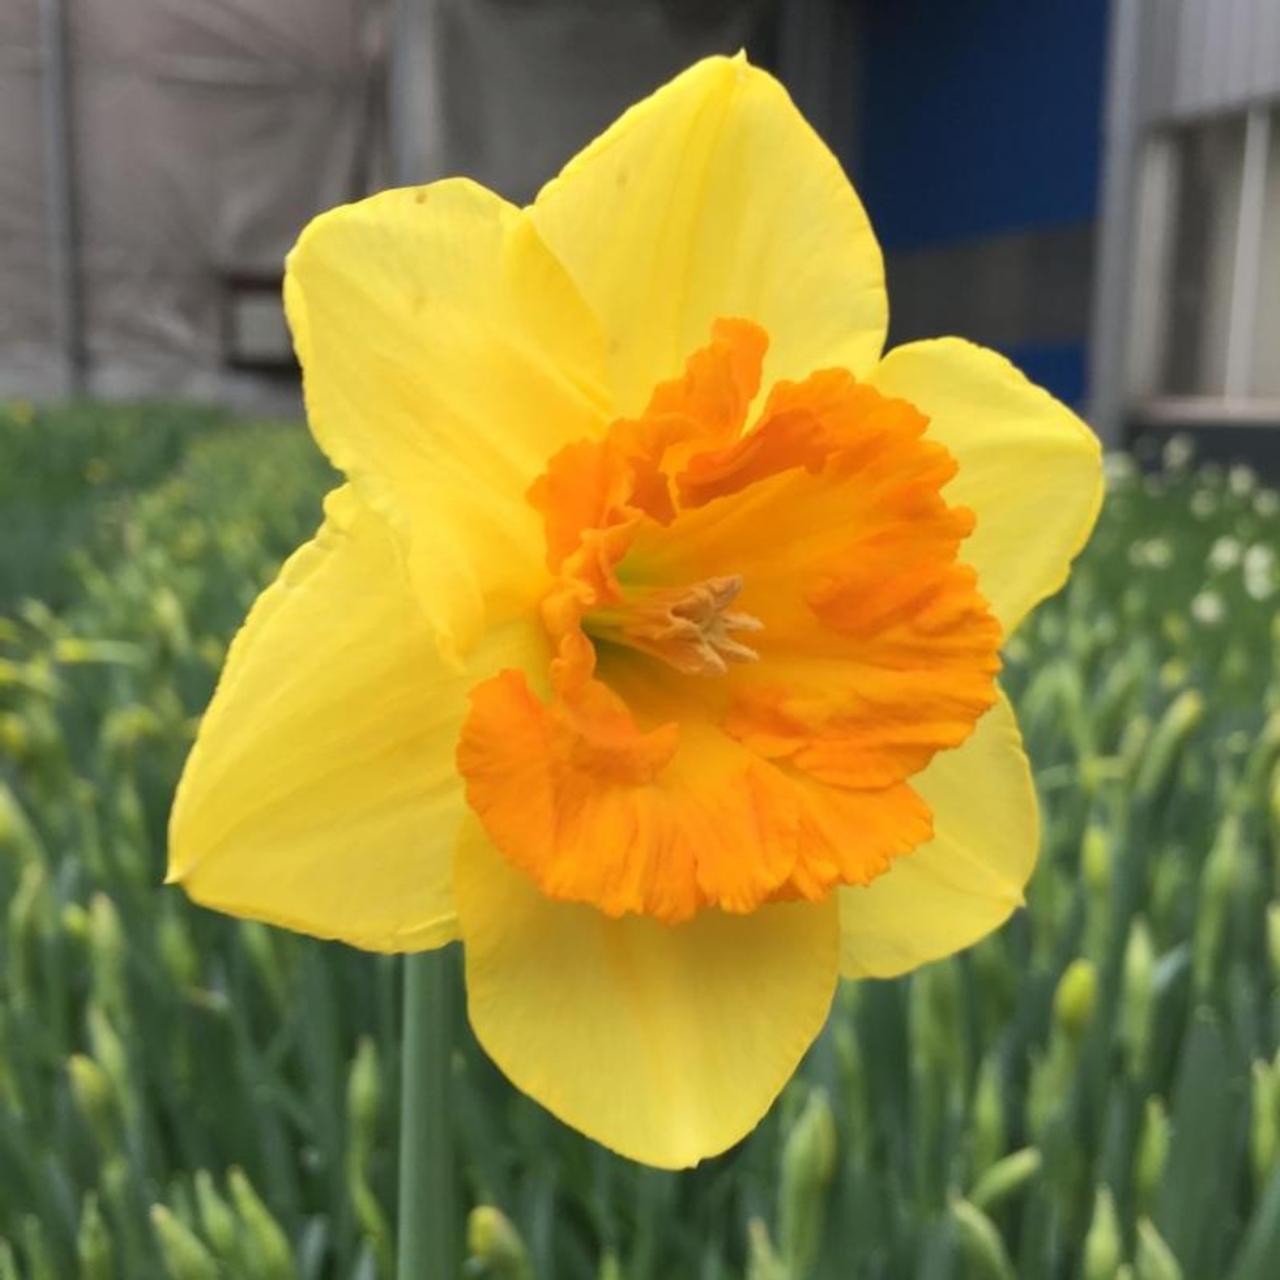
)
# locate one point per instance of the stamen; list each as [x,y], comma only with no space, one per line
[689,628]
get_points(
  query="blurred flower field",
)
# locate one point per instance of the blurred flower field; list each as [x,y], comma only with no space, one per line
[1093,1092]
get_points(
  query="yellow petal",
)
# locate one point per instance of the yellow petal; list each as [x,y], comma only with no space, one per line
[446,356]
[969,878]
[665,1043]
[321,793]
[1029,469]
[714,198]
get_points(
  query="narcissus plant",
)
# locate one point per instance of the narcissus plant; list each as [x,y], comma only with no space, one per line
[650,647]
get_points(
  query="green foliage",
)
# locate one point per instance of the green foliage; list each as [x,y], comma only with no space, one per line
[1094,1090]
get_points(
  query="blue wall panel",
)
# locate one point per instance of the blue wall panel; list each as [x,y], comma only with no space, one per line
[979,116]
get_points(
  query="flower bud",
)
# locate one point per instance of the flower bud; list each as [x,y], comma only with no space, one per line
[362,1096]
[17,835]
[1264,1133]
[108,957]
[1152,1154]
[1153,1259]
[28,910]
[1217,882]
[8,1264]
[95,1099]
[980,1243]
[762,1262]
[1159,761]
[93,1243]
[216,1218]
[495,1244]
[1103,1246]
[75,923]
[987,1124]
[1074,998]
[1137,995]
[1095,859]
[39,1260]
[185,1256]
[1005,1178]
[808,1162]
[266,1245]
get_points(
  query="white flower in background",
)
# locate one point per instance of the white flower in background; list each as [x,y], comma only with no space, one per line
[1119,469]
[1242,479]
[1204,502]
[1259,571]
[1266,503]
[1151,553]
[1207,608]
[1179,451]
[1225,554]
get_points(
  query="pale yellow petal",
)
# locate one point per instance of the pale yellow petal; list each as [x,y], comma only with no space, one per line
[664,1043]
[1029,468]
[446,356]
[710,198]
[969,878]
[321,793]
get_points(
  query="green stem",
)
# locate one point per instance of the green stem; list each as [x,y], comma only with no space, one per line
[426,1249]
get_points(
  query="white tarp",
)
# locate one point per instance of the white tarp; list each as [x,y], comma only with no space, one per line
[204,134]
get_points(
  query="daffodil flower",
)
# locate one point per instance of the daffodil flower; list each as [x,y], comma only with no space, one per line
[650,647]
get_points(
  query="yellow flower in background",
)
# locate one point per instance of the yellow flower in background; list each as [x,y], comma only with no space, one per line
[650,647]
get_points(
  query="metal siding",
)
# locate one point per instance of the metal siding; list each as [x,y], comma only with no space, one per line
[1210,56]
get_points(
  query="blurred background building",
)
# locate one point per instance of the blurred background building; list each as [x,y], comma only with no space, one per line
[1091,186]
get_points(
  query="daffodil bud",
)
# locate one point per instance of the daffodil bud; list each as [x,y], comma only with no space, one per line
[1074,998]
[1153,1259]
[1152,1154]
[36,1248]
[216,1218]
[1103,1246]
[980,1243]
[110,1054]
[763,1262]
[108,952]
[95,1099]
[1217,882]
[27,911]
[75,923]
[1134,738]
[1264,1133]
[1005,1178]
[1095,871]
[1156,769]
[808,1162]
[93,1243]
[17,835]
[185,1256]
[1095,859]
[495,1244]
[362,1095]
[8,1264]
[266,1244]
[987,1125]
[1137,995]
